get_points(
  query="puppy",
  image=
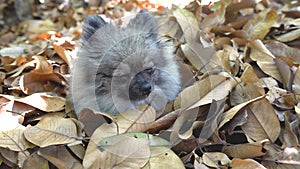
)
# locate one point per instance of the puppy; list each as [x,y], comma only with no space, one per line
[119,68]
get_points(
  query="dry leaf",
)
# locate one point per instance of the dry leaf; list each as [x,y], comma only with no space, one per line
[188,24]
[228,115]
[92,153]
[250,150]
[52,130]
[237,163]
[9,119]
[62,53]
[60,157]
[163,158]
[215,159]
[282,158]
[132,151]
[291,35]
[262,122]
[14,139]
[289,137]
[296,82]
[92,120]
[35,161]
[44,102]
[13,159]
[34,82]
[261,24]
[215,18]
[37,26]
[136,120]
[285,73]
[264,59]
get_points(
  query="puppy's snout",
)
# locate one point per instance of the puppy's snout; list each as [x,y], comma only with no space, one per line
[140,86]
[146,88]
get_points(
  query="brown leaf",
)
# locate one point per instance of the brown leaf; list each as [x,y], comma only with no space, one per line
[282,158]
[9,157]
[162,157]
[261,24]
[296,82]
[188,24]
[136,120]
[291,35]
[228,115]
[8,119]
[262,122]
[60,157]
[285,73]
[215,18]
[124,151]
[34,82]
[215,87]
[245,164]
[92,120]
[59,129]
[37,26]
[35,161]
[281,49]
[289,137]
[62,53]
[264,59]
[44,102]
[197,55]
[14,139]
[248,89]
[42,65]
[250,150]
[46,35]
[21,68]
[215,159]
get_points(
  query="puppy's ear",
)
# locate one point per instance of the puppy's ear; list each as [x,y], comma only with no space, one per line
[144,21]
[90,26]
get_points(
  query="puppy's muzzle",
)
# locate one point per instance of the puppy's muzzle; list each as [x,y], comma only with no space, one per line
[140,86]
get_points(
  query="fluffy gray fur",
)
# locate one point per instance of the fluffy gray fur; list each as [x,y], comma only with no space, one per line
[109,58]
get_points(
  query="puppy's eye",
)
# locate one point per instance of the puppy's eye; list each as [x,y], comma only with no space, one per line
[149,71]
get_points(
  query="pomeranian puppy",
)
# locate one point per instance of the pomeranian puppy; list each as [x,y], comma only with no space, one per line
[119,68]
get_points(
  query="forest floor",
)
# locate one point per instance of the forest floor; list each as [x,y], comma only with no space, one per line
[238,107]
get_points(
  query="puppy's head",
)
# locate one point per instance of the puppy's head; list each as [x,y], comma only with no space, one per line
[127,60]
[135,77]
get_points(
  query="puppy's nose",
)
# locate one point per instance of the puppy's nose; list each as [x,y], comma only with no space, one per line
[146,88]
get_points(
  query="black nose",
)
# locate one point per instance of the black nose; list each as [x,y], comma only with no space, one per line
[146,88]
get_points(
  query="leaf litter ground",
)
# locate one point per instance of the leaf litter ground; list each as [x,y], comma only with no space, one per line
[238,108]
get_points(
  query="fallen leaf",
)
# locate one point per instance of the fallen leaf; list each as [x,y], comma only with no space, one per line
[121,151]
[34,82]
[53,130]
[35,161]
[14,139]
[215,159]
[44,102]
[261,24]
[60,157]
[245,164]
[249,150]
[163,158]
[264,59]
[291,35]
[262,122]
[228,115]
[136,120]
[296,82]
